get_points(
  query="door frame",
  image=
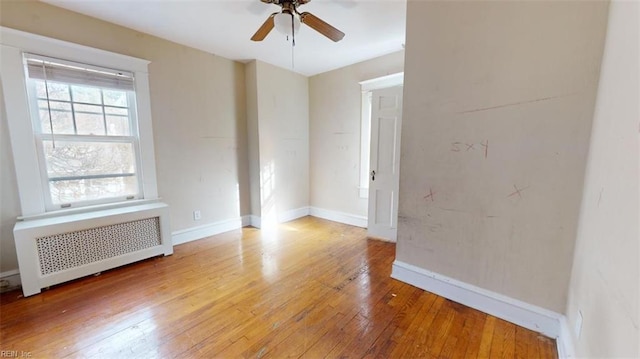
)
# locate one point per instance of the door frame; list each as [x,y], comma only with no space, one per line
[367,87]
[393,80]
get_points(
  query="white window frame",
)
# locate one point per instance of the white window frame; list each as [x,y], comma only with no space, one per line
[366,88]
[41,137]
[13,44]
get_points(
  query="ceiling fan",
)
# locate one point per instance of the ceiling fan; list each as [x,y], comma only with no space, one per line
[289,16]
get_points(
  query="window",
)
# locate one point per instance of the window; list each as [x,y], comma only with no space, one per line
[80,124]
[84,125]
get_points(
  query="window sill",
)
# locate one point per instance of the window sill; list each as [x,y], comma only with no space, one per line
[88,209]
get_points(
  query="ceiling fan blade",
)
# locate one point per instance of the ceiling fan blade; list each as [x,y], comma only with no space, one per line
[265,29]
[320,26]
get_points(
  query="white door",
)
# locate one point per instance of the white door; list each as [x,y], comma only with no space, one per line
[384,177]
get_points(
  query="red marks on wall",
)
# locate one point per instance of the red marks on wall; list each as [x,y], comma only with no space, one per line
[518,191]
[430,195]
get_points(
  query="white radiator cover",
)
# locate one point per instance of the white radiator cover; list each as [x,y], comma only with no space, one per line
[59,249]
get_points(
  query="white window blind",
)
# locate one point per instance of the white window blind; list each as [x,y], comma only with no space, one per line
[50,69]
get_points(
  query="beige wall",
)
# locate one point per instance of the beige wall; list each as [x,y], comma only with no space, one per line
[251,85]
[335,107]
[198,108]
[522,76]
[9,200]
[282,109]
[605,285]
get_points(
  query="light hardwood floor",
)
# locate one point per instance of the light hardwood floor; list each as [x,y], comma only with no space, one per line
[310,288]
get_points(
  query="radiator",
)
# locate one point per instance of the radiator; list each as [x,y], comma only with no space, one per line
[55,250]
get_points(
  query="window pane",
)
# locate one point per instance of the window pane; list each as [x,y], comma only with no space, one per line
[40,91]
[45,126]
[117,126]
[86,94]
[57,91]
[62,123]
[61,118]
[115,98]
[90,124]
[92,189]
[69,159]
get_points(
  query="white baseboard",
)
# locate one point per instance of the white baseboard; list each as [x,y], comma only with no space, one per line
[211,229]
[566,349]
[255,221]
[10,280]
[286,216]
[293,214]
[512,310]
[346,218]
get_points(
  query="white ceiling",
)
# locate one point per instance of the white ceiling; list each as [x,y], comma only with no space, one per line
[224,27]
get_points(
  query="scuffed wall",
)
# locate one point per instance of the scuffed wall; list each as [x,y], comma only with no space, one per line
[498,104]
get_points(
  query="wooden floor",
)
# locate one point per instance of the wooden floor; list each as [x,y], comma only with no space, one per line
[311,288]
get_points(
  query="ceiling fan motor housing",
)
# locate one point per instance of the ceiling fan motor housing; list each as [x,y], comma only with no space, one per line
[289,8]
[282,2]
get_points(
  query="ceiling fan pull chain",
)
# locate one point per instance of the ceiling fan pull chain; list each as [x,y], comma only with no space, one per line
[293,32]
[46,89]
[293,43]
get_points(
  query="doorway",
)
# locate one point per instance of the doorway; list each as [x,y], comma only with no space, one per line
[380,153]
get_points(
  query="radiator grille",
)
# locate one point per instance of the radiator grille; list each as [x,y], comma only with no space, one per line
[69,250]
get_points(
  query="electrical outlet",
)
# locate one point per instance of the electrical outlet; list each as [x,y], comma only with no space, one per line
[578,326]
[197,215]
